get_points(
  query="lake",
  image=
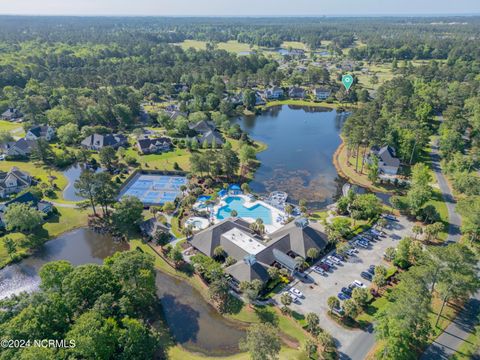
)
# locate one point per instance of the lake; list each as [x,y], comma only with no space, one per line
[194,323]
[301,143]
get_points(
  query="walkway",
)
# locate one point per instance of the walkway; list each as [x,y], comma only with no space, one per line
[454,219]
[459,330]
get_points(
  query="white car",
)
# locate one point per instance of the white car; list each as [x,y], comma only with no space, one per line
[319,270]
[329,263]
[334,260]
[296,292]
[293,297]
[359,284]
[351,252]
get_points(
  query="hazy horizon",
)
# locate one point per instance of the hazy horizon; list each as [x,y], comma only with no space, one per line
[247,8]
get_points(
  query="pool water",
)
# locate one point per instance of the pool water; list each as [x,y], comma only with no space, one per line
[236,203]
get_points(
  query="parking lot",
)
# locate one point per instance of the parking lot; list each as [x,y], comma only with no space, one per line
[320,288]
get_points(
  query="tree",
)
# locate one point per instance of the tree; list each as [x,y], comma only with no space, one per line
[219,293]
[137,340]
[108,157]
[469,208]
[22,217]
[262,342]
[313,322]
[390,253]
[234,213]
[402,253]
[43,151]
[379,278]
[417,230]
[251,289]
[285,299]
[313,253]
[360,296]
[10,246]
[373,170]
[169,207]
[127,213]
[161,237]
[333,303]
[219,252]
[53,273]
[68,134]
[249,99]
[432,230]
[326,341]
[175,254]
[350,308]
[288,209]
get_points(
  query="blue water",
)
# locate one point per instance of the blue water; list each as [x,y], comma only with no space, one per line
[236,203]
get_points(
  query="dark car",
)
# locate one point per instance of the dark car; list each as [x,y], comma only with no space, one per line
[324,266]
[338,256]
[371,269]
[366,275]
[343,296]
[347,291]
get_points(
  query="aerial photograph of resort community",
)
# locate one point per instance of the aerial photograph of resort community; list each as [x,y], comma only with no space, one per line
[219,180]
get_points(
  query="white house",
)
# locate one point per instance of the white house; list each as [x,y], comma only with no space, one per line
[322,93]
[13,182]
[274,93]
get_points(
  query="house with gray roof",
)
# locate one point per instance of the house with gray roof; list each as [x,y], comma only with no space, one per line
[155,145]
[151,226]
[254,254]
[99,141]
[26,198]
[274,92]
[21,147]
[207,133]
[14,181]
[322,93]
[40,132]
[11,114]
[388,163]
[296,92]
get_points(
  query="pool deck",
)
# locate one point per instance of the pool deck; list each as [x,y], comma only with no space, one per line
[269,228]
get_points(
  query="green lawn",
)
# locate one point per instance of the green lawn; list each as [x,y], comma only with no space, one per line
[230,46]
[9,126]
[66,220]
[39,171]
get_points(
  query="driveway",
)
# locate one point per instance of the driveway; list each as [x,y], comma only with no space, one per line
[352,344]
[453,218]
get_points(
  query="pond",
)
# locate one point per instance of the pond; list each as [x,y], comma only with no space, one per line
[72,174]
[301,143]
[193,322]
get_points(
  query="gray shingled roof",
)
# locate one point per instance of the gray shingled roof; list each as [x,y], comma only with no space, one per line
[242,271]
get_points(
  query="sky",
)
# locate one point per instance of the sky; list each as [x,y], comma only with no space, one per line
[239,7]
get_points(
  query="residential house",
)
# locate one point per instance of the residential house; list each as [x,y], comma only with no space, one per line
[388,163]
[40,132]
[11,114]
[27,198]
[259,98]
[296,92]
[20,148]
[207,133]
[151,226]
[274,93]
[255,255]
[14,181]
[322,93]
[154,145]
[99,141]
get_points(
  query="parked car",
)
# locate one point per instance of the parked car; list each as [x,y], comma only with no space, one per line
[340,257]
[358,283]
[2,157]
[362,244]
[292,296]
[390,217]
[371,269]
[319,270]
[329,263]
[366,275]
[296,292]
[334,260]
[324,266]
[347,291]
[339,311]
[343,296]
[351,252]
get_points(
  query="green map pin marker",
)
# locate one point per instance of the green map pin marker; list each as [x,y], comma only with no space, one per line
[347,81]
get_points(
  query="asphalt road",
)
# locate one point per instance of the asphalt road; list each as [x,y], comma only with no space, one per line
[453,218]
[447,343]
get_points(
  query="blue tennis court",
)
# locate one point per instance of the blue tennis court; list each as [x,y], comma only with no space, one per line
[154,189]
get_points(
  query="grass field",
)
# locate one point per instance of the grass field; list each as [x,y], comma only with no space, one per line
[230,46]
[9,126]
[66,220]
[41,172]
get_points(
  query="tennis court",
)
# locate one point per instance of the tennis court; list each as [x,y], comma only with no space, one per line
[154,189]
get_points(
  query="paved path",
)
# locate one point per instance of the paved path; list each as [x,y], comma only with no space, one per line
[453,218]
[447,343]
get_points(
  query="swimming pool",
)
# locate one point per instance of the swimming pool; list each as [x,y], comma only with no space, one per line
[236,203]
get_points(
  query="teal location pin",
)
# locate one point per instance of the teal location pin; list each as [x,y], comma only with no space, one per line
[347,81]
